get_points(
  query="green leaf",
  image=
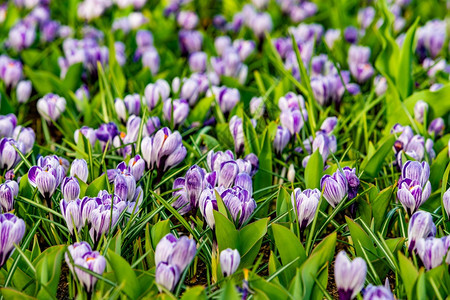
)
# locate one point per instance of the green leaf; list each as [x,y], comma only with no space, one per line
[408,273]
[48,270]
[438,168]
[289,247]
[250,239]
[380,205]
[159,230]
[251,138]
[97,185]
[11,294]
[194,293]
[314,171]
[72,80]
[227,236]
[372,164]
[199,112]
[125,276]
[229,292]
[263,178]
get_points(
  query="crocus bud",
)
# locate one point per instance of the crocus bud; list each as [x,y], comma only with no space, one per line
[79,168]
[420,109]
[227,174]
[446,201]
[167,275]
[23,91]
[51,106]
[436,127]
[292,120]
[349,275]
[358,61]
[257,107]
[167,149]
[154,92]
[190,41]
[351,34]
[334,188]
[239,203]
[221,43]
[229,261]
[70,189]
[197,62]
[207,204]
[237,131]
[176,111]
[183,252]
[329,124]
[46,180]
[9,156]
[377,293]
[282,137]
[190,91]
[7,125]
[291,173]
[25,136]
[261,23]
[305,204]
[12,229]
[352,181]
[414,186]
[431,251]
[380,85]
[72,213]
[8,191]
[420,226]
[94,262]
[187,19]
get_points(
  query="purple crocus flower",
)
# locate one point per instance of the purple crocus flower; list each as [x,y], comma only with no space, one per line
[21,36]
[227,98]
[187,19]
[329,124]
[436,127]
[190,41]
[197,62]
[334,188]
[72,213]
[239,203]
[446,202]
[227,173]
[207,204]
[151,60]
[420,109]
[351,34]
[70,189]
[432,251]
[414,186]
[154,92]
[94,262]
[282,138]
[46,179]
[176,111]
[229,261]
[420,226]
[7,125]
[377,293]
[349,275]
[190,91]
[237,131]
[105,214]
[13,230]
[358,61]
[305,204]
[51,106]
[8,191]
[352,181]
[167,275]
[10,71]
[24,137]
[23,91]
[79,168]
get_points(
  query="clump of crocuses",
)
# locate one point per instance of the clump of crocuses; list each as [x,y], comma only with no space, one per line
[172,256]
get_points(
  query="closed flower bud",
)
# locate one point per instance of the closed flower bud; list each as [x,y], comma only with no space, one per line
[305,204]
[154,92]
[229,261]
[420,109]
[176,111]
[23,91]
[79,168]
[221,43]
[187,19]
[420,226]
[9,156]
[8,191]
[183,252]
[291,173]
[46,180]
[227,174]
[7,125]
[12,231]
[70,189]
[167,275]
[207,204]
[51,106]
[190,41]
[334,188]
[197,62]
[72,213]
[352,180]
[282,137]
[446,202]
[436,127]
[329,124]
[25,136]
[351,34]
[431,251]
[349,275]
[377,293]
[380,85]
[257,107]
[237,131]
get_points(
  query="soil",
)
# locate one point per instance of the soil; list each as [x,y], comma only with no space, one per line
[63,287]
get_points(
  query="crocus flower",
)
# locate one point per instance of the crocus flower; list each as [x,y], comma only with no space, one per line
[420,109]
[305,204]
[329,124]
[172,256]
[334,188]
[261,23]
[23,91]
[77,250]
[377,293]
[176,111]
[10,71]
[8,191]
[80,169]
[154,92]
[94,262]
[257,107]
[7,125]
[45,179]
[446,202]
[190,91]
[190,41]
[351,34]
[227,173]
[244,181]
[229,261]
[72,213]
[207,204]
[436,127]
[12,231]
[237,131]
[197,62]
[431,251]
[226,97]
[420,226]
[349,275]
[358,61]
[414,186]
[70,189]
[239,203]
[102,216]
[380,84]
[51,106]
[282,138]
[352,180]
[24,136]
[9,156]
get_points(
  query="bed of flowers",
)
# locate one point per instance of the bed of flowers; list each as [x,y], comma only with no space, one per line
[264,149]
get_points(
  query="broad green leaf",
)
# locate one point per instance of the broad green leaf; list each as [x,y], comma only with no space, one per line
[408,273]
[229,292]
[194,293]
[48,270]
[159,230]
[314,171]
[11,294]
[226,234]
[97,185]
[125,276]
[250,239]
[372,164]
[380,205]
